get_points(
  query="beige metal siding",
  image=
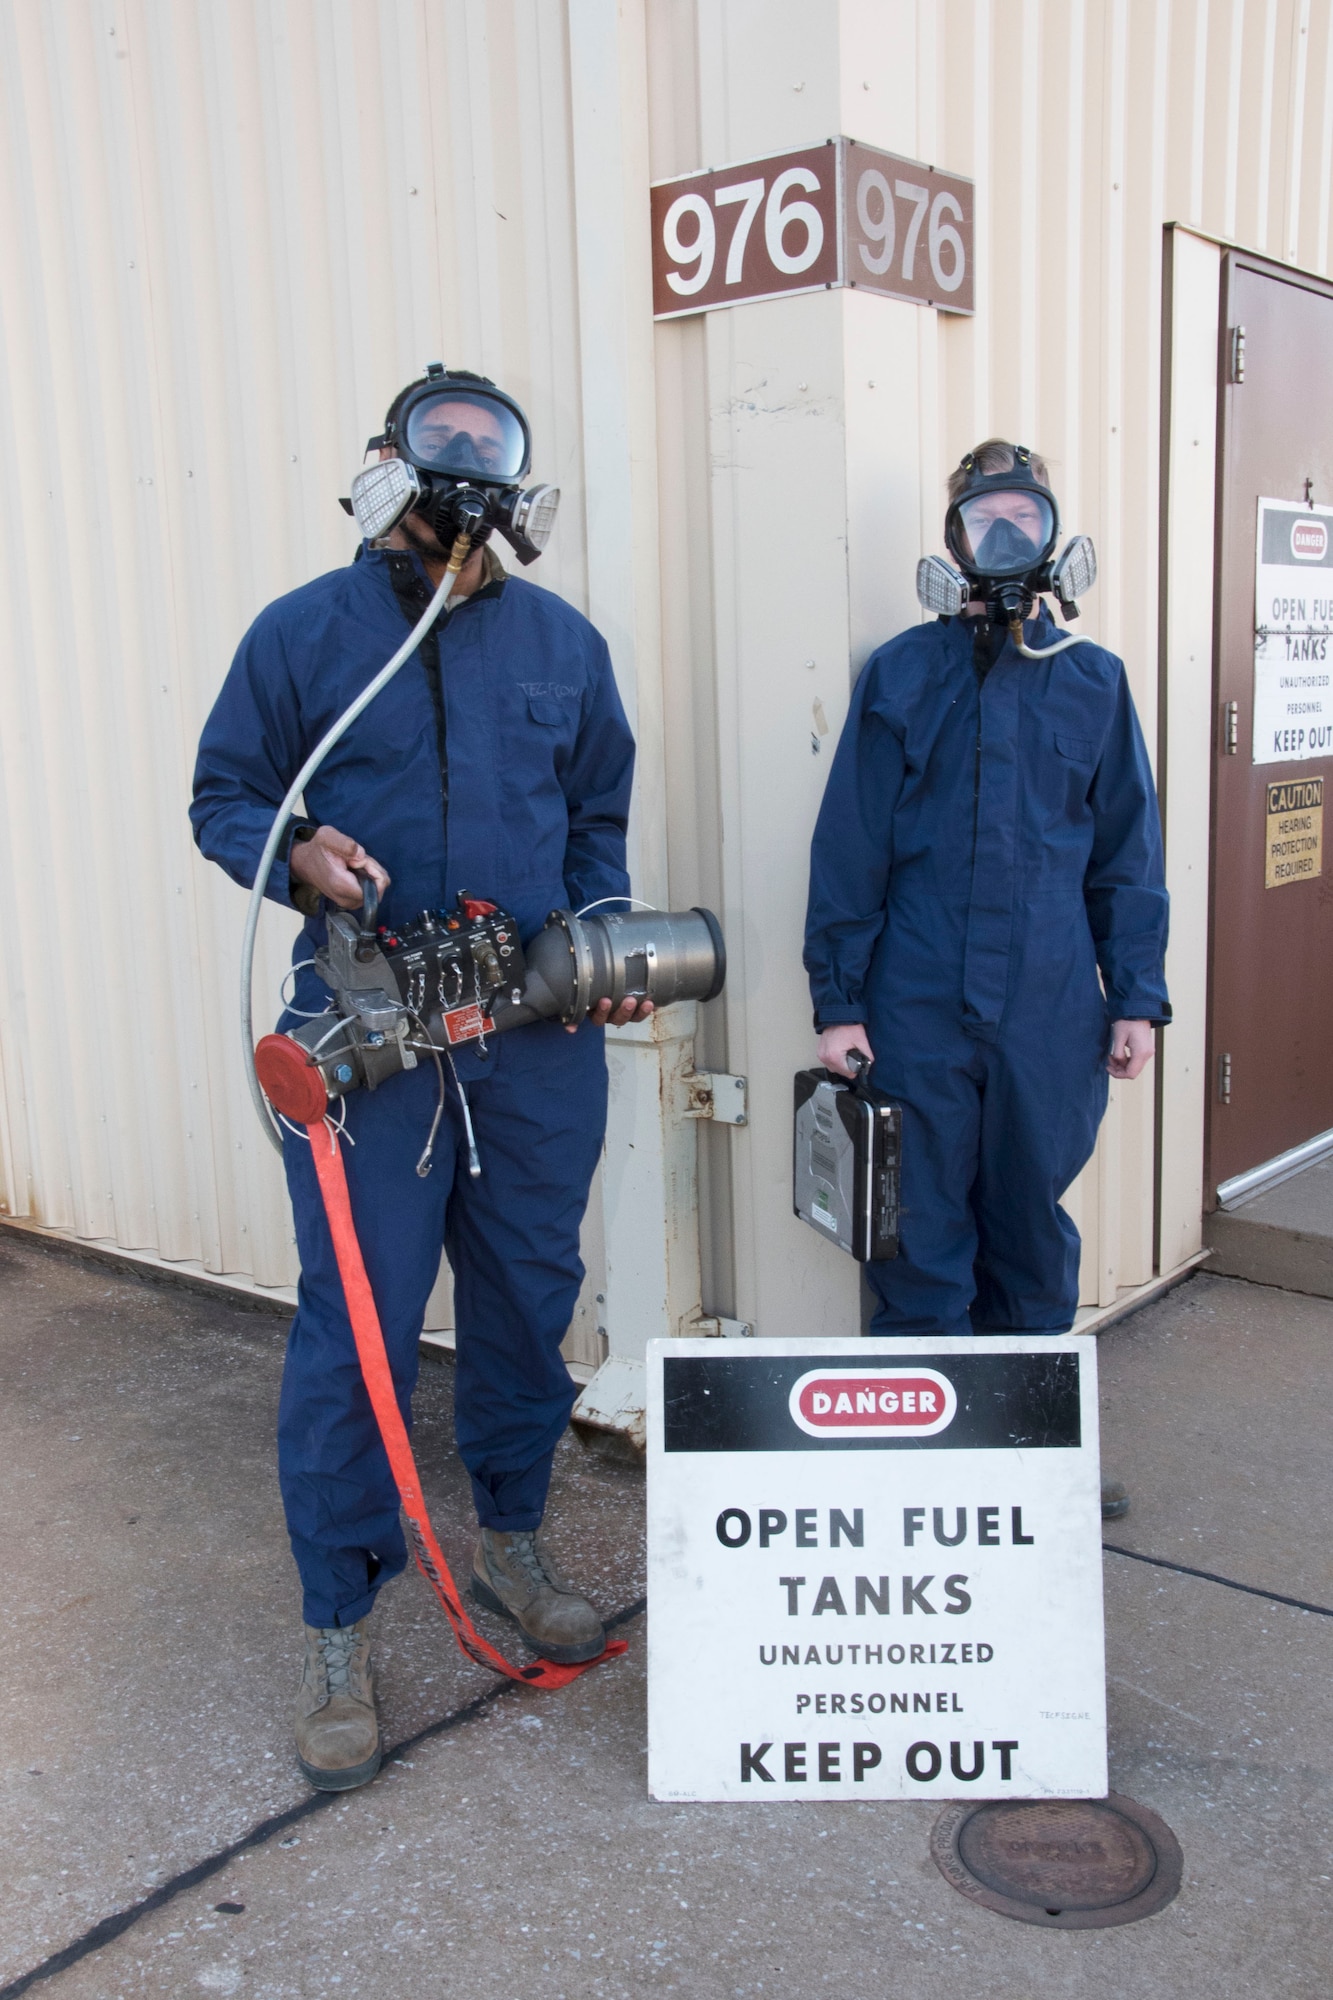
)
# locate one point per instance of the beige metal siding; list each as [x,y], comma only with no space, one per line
[227,234]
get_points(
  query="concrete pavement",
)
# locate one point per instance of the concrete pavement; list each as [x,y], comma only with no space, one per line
[1283,1236]
[152,1626]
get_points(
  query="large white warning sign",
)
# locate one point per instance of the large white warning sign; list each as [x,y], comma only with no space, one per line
[874,1569]
[1293,627]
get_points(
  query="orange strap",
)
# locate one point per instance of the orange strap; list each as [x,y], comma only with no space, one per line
[374,1361]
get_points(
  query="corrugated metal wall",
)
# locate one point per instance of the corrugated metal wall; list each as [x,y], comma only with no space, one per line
[228,231]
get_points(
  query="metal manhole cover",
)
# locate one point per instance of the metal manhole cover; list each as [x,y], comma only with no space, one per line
[1071,1864]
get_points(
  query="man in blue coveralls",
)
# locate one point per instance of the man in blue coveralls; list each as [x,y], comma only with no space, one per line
[988,917]
[499,763]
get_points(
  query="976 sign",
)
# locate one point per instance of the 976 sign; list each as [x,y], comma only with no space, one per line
[837,214]
[909,230]
[746,232]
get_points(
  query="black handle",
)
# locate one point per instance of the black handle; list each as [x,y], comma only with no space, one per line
[367,943]
[858,1062]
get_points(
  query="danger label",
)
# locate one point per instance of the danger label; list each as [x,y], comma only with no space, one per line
[873,1405]
[1293,639]
[1294,832]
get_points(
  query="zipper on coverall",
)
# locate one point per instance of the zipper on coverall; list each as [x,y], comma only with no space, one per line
[413,596]
[981,666]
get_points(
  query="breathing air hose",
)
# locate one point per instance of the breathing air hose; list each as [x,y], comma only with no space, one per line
[438,605]
[1045,652]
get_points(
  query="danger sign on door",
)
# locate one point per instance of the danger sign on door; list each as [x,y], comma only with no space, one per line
[1293,634]
[875,1570]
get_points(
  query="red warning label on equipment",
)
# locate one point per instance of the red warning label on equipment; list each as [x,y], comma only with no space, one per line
[465,1024]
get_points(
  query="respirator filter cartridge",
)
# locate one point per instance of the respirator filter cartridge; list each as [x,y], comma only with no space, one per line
[382,493]
[940,589]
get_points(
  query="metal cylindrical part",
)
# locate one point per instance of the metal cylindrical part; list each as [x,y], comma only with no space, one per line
[657,955]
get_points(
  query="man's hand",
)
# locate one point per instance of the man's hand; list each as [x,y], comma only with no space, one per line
[326,862]
[836,1044]
[602,1017]
[1131,1048]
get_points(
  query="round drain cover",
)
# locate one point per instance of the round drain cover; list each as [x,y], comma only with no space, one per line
[1071,1864]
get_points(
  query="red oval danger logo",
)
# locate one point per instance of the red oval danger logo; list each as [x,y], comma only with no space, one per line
[872,1402]
[1309,539]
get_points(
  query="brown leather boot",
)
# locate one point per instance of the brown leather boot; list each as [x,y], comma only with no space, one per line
[514,1575]
[337,1729]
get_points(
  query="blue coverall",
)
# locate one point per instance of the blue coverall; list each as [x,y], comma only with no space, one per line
[503,771]
[988,842]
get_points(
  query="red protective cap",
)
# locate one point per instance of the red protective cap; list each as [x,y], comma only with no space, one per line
[475,908]
[289,1080]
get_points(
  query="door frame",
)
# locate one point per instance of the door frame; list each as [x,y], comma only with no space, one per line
[1191,314]
[1232,259]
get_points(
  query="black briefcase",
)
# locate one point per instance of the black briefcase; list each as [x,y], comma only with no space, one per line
[847,1158]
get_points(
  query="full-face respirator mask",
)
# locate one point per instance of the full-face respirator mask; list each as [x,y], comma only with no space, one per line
[462,451]
[1001,530]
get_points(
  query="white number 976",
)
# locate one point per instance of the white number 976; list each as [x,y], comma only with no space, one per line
[877,217]
[782,218]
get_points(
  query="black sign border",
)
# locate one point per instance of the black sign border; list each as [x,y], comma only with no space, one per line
[739,1402]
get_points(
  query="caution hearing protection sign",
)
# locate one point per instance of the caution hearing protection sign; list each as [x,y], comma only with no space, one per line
[874,1569]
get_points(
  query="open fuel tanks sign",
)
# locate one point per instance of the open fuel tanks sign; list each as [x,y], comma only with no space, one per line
[875,1570]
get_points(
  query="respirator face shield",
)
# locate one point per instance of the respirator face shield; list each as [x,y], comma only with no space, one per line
[1004,535]
[462,446]
[472,437]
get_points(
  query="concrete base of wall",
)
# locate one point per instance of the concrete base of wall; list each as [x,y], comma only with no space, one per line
[1283,1237]
[146,1264]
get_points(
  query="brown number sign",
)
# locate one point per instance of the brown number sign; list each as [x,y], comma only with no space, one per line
[909,230]
[746,232]
[835,214]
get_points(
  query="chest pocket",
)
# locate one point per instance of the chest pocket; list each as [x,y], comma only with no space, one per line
[542,741]
[1078,750]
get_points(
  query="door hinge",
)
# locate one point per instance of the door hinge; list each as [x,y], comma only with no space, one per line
[1236,366]
[1224,1080]
[1231,730]
[714,1095]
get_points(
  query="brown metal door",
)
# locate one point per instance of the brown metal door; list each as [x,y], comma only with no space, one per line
[1270,1041]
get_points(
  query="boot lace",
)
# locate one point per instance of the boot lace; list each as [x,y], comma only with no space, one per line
[337,1644]
[524,1551]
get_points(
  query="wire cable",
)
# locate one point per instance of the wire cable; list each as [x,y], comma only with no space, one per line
[438,605]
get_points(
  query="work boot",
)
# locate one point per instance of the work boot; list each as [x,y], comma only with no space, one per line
[514,1575]
[337,1729]
[1115,1500]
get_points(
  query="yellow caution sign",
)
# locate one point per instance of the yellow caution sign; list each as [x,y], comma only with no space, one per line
[1294,836]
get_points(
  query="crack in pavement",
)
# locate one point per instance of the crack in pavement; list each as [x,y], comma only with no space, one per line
[107,1929]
